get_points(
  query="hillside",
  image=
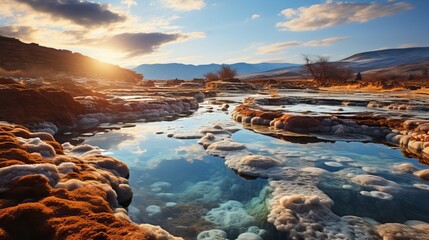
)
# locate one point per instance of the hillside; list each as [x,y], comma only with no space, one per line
[32,59]
[388,58]
[402,61]
[188,71]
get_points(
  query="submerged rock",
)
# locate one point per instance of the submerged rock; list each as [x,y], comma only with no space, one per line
[396,231]
[423,174]
[214,234]
[377,194]
[230,214]
[376,182]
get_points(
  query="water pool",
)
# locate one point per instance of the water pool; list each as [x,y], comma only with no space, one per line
[178,186]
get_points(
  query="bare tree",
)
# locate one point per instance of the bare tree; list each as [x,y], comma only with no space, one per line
[211,76]
[226,72]
[325,72]
[358,77]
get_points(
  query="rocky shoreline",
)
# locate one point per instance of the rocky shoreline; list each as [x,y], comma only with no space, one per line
[51,192]
[43,108]
[411,135]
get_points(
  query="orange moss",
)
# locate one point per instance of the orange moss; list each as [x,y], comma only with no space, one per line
[31,209]
[58,148]
[27,221]
[301,123]
[20,155]
[6,162]
[29,187]
[255,111]
[19,131]
[7,141]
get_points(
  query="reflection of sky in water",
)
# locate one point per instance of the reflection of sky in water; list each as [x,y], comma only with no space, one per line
[199,181]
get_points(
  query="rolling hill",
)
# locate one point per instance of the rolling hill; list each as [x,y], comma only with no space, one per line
[389,58]
[401,61]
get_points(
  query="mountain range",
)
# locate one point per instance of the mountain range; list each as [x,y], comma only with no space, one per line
[188,71]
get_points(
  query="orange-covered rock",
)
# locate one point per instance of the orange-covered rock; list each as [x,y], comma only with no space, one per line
[62,196]
[27,221]
[256,111]
[29,187]
[20,155]
[23,104]
[297,123]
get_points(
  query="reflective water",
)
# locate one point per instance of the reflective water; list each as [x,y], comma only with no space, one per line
[176,184]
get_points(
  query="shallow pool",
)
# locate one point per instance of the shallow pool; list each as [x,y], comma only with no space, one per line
[184,190]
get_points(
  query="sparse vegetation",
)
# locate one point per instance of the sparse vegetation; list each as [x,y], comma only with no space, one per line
[225,72]
[326,73]
[211,76]
[273,91]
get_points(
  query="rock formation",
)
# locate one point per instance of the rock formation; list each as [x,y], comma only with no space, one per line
[46,194]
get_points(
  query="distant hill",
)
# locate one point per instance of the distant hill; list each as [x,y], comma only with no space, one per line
[187,71]
[32,59]
[388,58]
[401,61]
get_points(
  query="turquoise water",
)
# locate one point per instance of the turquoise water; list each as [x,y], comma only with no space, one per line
[176,184]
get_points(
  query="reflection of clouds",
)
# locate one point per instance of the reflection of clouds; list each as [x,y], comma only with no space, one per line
[110,140]
[139,151]
[191,153]
[154,156]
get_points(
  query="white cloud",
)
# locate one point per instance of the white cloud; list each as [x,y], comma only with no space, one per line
[332,13]
[184,5]
[324,42]
[129,3]
[255,16]
[289,12]
[281,46]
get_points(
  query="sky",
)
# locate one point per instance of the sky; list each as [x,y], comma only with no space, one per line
[133,32]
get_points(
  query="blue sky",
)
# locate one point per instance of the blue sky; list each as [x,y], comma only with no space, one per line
[131,32]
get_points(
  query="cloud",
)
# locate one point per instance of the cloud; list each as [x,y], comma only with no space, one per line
[129,3]
[140,43]
[83,13]
[324,42]
[281,46]
[332,13]
[21,32]
[184,5]
[255,16]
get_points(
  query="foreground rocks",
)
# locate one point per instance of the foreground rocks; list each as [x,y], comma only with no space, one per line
[46,194]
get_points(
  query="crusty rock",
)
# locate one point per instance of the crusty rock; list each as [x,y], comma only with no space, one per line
[63,196]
